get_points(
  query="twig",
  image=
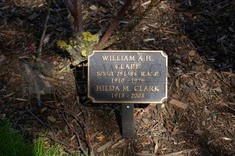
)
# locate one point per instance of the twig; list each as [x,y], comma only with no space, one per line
[130,27]
[148,9]
[79,120]
[113,25]
[44,29]
[84,125]
[77,136]
[80,143]
[38,118]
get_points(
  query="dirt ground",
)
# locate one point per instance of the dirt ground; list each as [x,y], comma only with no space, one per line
[197,119]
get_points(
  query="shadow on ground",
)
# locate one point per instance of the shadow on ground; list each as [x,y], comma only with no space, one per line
[210,25]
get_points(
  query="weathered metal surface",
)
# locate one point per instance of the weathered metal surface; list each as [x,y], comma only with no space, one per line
[128,124]
[127,76]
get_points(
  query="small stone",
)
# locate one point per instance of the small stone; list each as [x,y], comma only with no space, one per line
[93,7]
[163,106]
[192,53]
[51,119]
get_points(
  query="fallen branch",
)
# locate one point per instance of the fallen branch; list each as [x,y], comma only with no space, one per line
[38,118]
[78,119]
[76,134]
[105,41]
[113,25]
[84,125]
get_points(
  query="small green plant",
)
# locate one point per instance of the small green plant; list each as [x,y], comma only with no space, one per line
[79,47]
[43,148]
[12,143]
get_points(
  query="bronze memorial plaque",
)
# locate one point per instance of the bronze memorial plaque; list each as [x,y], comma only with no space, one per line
[119,76]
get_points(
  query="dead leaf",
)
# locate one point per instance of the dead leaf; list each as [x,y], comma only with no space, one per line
[100,138]
[156,147]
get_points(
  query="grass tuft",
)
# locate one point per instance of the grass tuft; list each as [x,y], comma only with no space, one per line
[12,143]
[43,148]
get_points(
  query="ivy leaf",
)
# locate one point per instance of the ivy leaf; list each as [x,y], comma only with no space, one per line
[84,52]
[87,36]
[62,44]
[101,138]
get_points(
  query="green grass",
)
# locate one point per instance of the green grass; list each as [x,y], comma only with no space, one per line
[42,148]
[12,143]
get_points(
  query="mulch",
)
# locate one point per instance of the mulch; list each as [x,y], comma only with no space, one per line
[198,117]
